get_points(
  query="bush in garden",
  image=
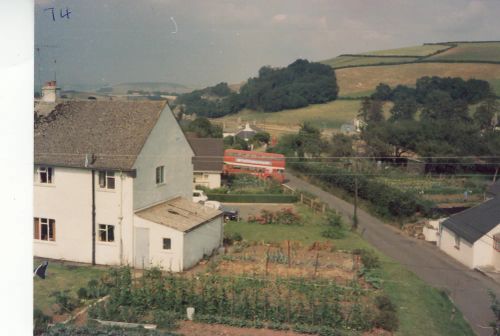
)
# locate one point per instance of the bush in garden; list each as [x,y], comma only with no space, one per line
[384,302]
[230,238]
[40,322]
[65,301]
[369,259]
[387,320]
[165,319]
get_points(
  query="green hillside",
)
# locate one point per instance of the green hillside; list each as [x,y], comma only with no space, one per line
[151,87]
[475,52]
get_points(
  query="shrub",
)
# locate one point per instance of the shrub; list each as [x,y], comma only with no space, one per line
[333,233]
[165,319]
[230,238]
[387,320]
[369,259]
[65,301]
[40,322]
[385,303]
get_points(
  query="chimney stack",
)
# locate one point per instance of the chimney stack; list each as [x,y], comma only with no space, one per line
[50,92]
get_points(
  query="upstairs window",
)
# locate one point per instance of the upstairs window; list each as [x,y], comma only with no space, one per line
[45,175]
[160,174]
[44,229]
[106,179]
[106,233]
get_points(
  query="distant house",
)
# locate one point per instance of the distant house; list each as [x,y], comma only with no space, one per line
[473,236]
[113,184]
[248,132]
[207,161]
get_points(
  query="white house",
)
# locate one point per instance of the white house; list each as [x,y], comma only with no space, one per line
[207,162]
[101,169]
[473,235]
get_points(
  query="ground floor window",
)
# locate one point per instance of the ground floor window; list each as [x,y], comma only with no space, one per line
[106,233]
[167,243]
[44,229]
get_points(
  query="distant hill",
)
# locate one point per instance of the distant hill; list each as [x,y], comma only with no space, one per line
[359,74]
[151,86]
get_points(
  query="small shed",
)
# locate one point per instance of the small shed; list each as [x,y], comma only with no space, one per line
[176,234]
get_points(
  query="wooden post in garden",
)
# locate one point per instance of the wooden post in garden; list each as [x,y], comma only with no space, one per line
[267,258]
[316,264]
[289,259]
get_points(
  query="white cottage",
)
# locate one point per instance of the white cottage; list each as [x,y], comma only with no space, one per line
[473,236]
[102,168]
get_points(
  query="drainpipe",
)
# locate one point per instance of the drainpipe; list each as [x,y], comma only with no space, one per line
[120,218]
[93,217]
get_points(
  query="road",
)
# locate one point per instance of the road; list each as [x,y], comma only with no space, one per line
[468,288]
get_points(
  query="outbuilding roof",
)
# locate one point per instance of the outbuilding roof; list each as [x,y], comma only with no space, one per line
[474,223]
[179,214]
[208,154]
[95,134]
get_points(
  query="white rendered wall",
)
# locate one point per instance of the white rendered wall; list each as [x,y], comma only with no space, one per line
[69,201]
[210,180]
[168,260]
[166,146]
[484,251]
[463,255]
[202,241]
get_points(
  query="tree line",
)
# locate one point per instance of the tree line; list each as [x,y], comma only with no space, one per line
[299,84]
[440,117]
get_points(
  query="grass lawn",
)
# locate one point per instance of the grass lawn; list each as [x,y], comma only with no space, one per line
[61,276]
[423,310]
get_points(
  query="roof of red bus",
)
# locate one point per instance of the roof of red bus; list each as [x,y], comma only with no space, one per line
[253,153]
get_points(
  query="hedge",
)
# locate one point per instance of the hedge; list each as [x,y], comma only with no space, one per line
[387,200]
[253,198]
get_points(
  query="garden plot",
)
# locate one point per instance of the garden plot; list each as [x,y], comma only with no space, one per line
[318,260]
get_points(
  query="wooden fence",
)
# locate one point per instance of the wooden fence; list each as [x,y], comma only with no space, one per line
[311,202]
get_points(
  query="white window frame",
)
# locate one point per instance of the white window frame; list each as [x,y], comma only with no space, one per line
[160,175]
[104,178]
[49,171]
[105,228]
[50,229]
[163,244]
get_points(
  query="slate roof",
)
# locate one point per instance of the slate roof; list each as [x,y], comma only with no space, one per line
[208,154]
[473,223]
[113,131]
[179,214]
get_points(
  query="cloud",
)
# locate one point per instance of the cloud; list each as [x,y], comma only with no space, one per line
[279,17]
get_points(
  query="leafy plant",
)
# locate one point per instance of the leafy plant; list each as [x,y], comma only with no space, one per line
[65,301]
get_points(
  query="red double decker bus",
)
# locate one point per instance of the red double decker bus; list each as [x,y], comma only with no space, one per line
[263,165]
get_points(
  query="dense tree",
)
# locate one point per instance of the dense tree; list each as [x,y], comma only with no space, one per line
[262,137]
[204,128]
[371,111]
[403,109]
[485,115]
[439,105]
[382,92]
[341,146]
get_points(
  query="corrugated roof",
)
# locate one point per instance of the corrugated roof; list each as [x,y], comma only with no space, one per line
[179,214]
[473,223]
[113,131]
[208,153]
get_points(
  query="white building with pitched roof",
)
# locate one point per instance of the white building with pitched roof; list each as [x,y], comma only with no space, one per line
[102,169]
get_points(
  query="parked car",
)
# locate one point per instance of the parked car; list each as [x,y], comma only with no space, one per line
[230,213]
[212,204]
[199,196]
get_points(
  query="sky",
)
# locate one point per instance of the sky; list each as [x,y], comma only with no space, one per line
[200,43]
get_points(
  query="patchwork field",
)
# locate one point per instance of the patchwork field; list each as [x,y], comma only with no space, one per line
[354,81]
[344,61]
[421,50]
[488,51]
